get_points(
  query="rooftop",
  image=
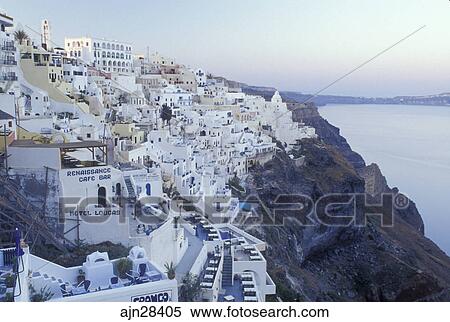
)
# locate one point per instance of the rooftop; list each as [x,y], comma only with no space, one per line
[98,273]
[70,145]
[5,116]
[6,20]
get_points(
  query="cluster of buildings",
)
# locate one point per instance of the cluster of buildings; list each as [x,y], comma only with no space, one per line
[138,150]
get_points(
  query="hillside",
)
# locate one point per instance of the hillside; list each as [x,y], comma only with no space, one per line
[327,263]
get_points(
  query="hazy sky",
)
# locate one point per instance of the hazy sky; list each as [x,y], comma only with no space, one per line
[289,44]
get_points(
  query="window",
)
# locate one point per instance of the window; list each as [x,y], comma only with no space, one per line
[9,123]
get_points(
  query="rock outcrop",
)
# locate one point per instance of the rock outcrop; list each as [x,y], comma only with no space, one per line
[309,115]
[318,262]
[327,263]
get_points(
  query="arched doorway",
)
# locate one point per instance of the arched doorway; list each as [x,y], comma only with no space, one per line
[102,197]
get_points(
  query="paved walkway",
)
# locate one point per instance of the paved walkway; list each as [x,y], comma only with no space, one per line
[184,266]
[235,291]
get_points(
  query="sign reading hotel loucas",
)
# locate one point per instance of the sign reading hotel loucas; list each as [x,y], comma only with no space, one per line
[99,212]
[165,296]
[90,174]
[81,188]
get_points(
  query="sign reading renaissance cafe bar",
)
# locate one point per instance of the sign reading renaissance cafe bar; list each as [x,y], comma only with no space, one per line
[165,296]
[90,174]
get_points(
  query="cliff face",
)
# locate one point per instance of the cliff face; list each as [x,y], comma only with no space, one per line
[330,134]
[318,262]
[376,184]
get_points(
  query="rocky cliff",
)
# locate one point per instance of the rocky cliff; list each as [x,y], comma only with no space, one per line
[326,263]
[313,261]
[309,114]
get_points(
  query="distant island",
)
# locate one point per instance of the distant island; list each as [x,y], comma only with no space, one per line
[321,100]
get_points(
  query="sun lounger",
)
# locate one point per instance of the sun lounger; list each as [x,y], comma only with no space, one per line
[250,299]
[206,285]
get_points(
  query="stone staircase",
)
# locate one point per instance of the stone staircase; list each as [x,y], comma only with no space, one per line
[227,275]
[130,188]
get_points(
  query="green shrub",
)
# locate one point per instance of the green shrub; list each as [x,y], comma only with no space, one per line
[124,265]
[10,280]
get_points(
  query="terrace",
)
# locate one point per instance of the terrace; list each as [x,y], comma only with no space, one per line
[210,270]
[148,221]
[6,273]
[68,152]
[232,293]
[203,228]
[97,274]
[242,290]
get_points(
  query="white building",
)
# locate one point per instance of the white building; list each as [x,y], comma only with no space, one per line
[200,75]
[75,72]
[107,55]
[274,118]
[98,279]
[8,53]
[174,97]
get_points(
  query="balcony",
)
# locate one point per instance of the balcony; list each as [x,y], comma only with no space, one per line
[8,48]
[8,62]
[8,78]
